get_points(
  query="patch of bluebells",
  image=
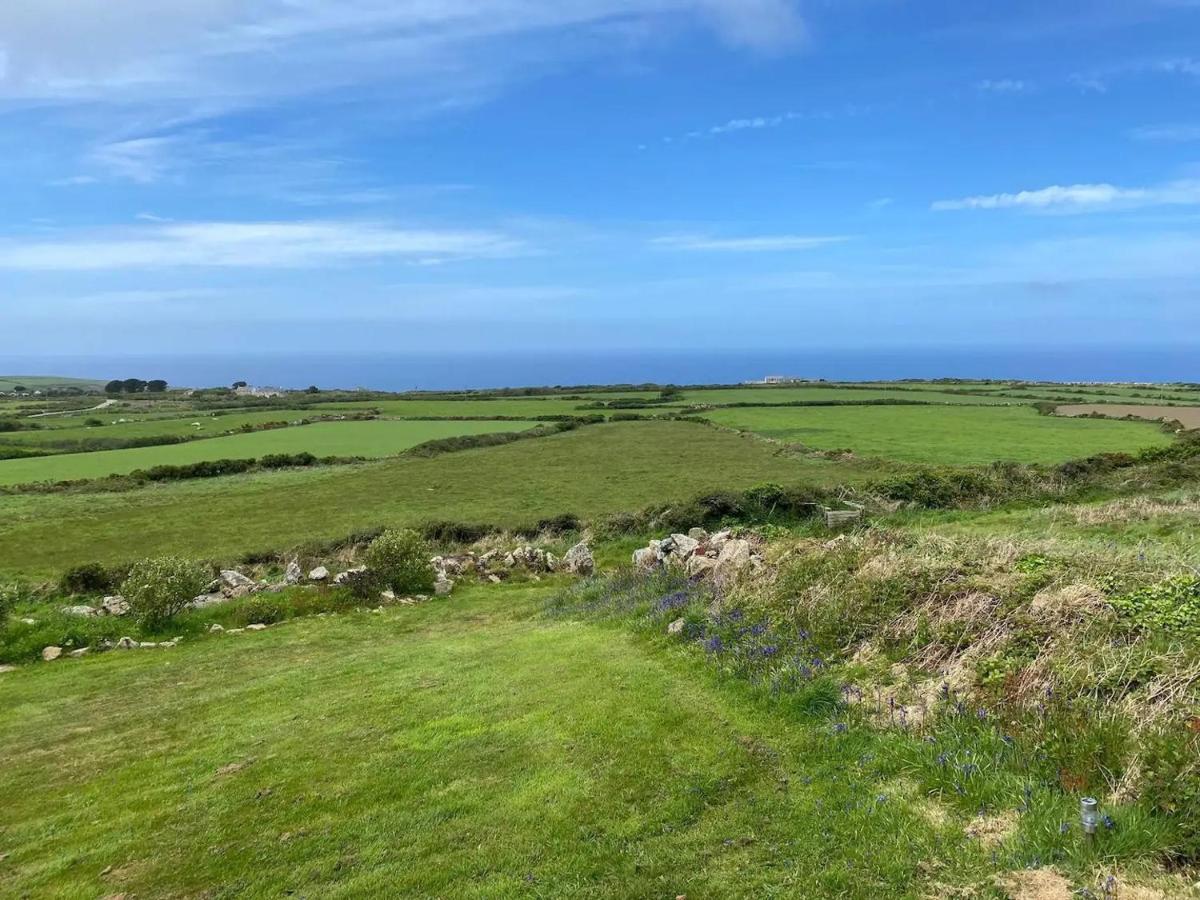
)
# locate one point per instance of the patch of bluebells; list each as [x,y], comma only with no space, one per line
[673,601]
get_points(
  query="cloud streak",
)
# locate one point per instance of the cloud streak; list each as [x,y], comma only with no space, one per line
[255,245]
[756,244]
[1080,198]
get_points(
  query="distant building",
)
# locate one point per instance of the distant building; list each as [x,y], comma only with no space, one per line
[250,391]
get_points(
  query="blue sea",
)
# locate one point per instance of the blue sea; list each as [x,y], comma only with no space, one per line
[443,371]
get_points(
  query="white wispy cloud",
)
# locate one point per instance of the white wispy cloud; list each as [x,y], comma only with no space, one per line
[754,244]
[254,245]
[1082,197]
[1176,134]
[1004,86]
[237,49]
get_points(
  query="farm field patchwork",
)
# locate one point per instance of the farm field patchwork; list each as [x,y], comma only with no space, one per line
[956,435]
[841,394]
[450,408]
[591,471]
[377,438]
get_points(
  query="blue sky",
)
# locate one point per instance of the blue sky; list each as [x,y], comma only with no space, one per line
[510,175]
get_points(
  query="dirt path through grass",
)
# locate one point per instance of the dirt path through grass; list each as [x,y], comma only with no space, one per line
[467,748]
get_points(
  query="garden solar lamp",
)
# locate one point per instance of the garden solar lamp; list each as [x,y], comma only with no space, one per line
[1089,816]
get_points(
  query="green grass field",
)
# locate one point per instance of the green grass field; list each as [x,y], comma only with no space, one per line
[372,439]
[517,406]
[466,748]
[849,394]
[48,382]
[591,471]
[945,435]
[128,426]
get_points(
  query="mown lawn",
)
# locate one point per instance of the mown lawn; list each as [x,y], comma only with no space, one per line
[373,439]
[466,748]
[591,471]
[955,435]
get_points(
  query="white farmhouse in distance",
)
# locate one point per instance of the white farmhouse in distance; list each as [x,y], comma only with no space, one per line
[252,391]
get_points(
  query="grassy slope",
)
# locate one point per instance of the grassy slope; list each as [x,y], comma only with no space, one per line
[952,435]
[519,406]
[377,438]
[466,748]
[591,471]
[820,394]
[47,382]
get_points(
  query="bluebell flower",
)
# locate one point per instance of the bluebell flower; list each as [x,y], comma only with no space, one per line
[714,644]
[1109,823]
[1064,828]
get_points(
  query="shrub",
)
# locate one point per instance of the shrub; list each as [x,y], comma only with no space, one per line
[399,560]
[159,589]
[88,578]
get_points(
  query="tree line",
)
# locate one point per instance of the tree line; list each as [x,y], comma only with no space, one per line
[135,386]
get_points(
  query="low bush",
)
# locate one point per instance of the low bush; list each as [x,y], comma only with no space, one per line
[159,589]
[399,561]
[88,578]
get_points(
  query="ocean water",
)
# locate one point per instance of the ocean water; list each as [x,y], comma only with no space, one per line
[442,371]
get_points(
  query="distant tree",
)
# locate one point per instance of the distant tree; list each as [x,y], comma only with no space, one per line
[312,389]
[114,387]
[133,385]
[20,389]
[239,384]
[157,386]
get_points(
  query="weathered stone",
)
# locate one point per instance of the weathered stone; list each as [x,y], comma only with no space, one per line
[208,600]
[49,654]
[257,626]
[494,579]
[698,534]
[234,580]
[348,575]
[86,612]
[579,560]
[733,561]
[167,644]
[443,586]
[388,595]
[320,573]
[215,628]
[147,645]
[235,630]
[28,621]
[80,653]
[645,557]
[699,566]
[717,541]
[127,643]
[683,546]
[115,605]
[6,669]
[293,574]
[676,627]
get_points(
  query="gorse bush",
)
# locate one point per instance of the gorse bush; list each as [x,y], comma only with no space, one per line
[399,561]
[159,589]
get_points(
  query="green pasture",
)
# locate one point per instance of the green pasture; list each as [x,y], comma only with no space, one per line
[591,471]
[450,408]
[374,439]
[48,382]
[768,394]
[468,748]
[131,426]
[953,435]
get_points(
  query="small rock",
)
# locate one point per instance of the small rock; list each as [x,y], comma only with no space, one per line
[6,669]
[86,612]
[115,605]
[257,626]
[167,645]
[235,630]
[579,560]
[442,587]
[215,628]
[494,579]
[208,600]
[699,566]
[50,654]
[293,573]
[645,557]
[127,643]
[684,546]
[231,578]
[320,573]
[698,534]
[29,621]
[344,577]
[80,653]
[676,627]
[147,645]
[388,595]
